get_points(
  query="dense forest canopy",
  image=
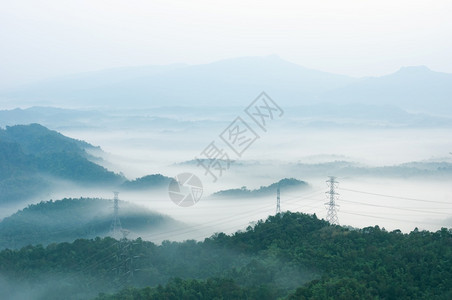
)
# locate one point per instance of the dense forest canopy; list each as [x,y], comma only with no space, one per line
[291,255]
[32,157]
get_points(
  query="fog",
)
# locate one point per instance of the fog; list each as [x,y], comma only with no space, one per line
[293,106]
[287,150]
[395,159]
[137,149]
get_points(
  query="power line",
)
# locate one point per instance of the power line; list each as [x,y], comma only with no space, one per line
[393,207]
[396,197]
[385,218]
[251,213]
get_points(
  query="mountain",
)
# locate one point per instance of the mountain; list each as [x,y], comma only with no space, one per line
[73,86]
[32,157]
[222,83]
[36,139]
[34,161]
[155,181]
[236,82]
[288,184]
[69,219]
[417,89]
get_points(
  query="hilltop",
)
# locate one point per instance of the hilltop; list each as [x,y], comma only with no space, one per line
[290,255]
[288,184]
[69,219]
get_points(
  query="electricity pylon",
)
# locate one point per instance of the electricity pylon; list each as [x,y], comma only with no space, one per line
[116,228]
[332,196]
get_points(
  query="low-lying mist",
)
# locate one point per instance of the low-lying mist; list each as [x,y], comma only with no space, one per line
[372,156]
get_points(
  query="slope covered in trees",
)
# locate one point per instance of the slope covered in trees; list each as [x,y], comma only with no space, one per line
[36,139]
[32,156]
[293,255]
[155,181]
[288,184]
[69,219]
[213,288]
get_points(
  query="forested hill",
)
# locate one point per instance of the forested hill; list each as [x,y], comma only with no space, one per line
[288,184]
[69,219]
[155,181]
[31,156]
[37,139]
[293,255]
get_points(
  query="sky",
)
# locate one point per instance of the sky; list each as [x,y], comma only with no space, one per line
[41,39]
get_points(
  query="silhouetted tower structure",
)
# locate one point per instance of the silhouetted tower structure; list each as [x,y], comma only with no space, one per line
[332,196]
[116,228]
[278,200]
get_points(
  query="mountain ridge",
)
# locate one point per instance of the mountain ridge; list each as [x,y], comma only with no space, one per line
[414,88]
[237,82]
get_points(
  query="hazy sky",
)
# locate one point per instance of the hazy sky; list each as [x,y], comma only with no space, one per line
[355,37]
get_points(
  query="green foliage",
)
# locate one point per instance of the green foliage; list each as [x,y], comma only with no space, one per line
[31,156]
[74,167]
[147,182]
[287,184]
[69,219]
[290,255]
[211,289]
[36,139]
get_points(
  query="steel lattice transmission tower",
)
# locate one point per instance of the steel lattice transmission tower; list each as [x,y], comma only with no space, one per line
[278,201]
[332,197]
[116,228]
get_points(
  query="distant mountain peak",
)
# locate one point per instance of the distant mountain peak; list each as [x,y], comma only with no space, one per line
[414,69]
